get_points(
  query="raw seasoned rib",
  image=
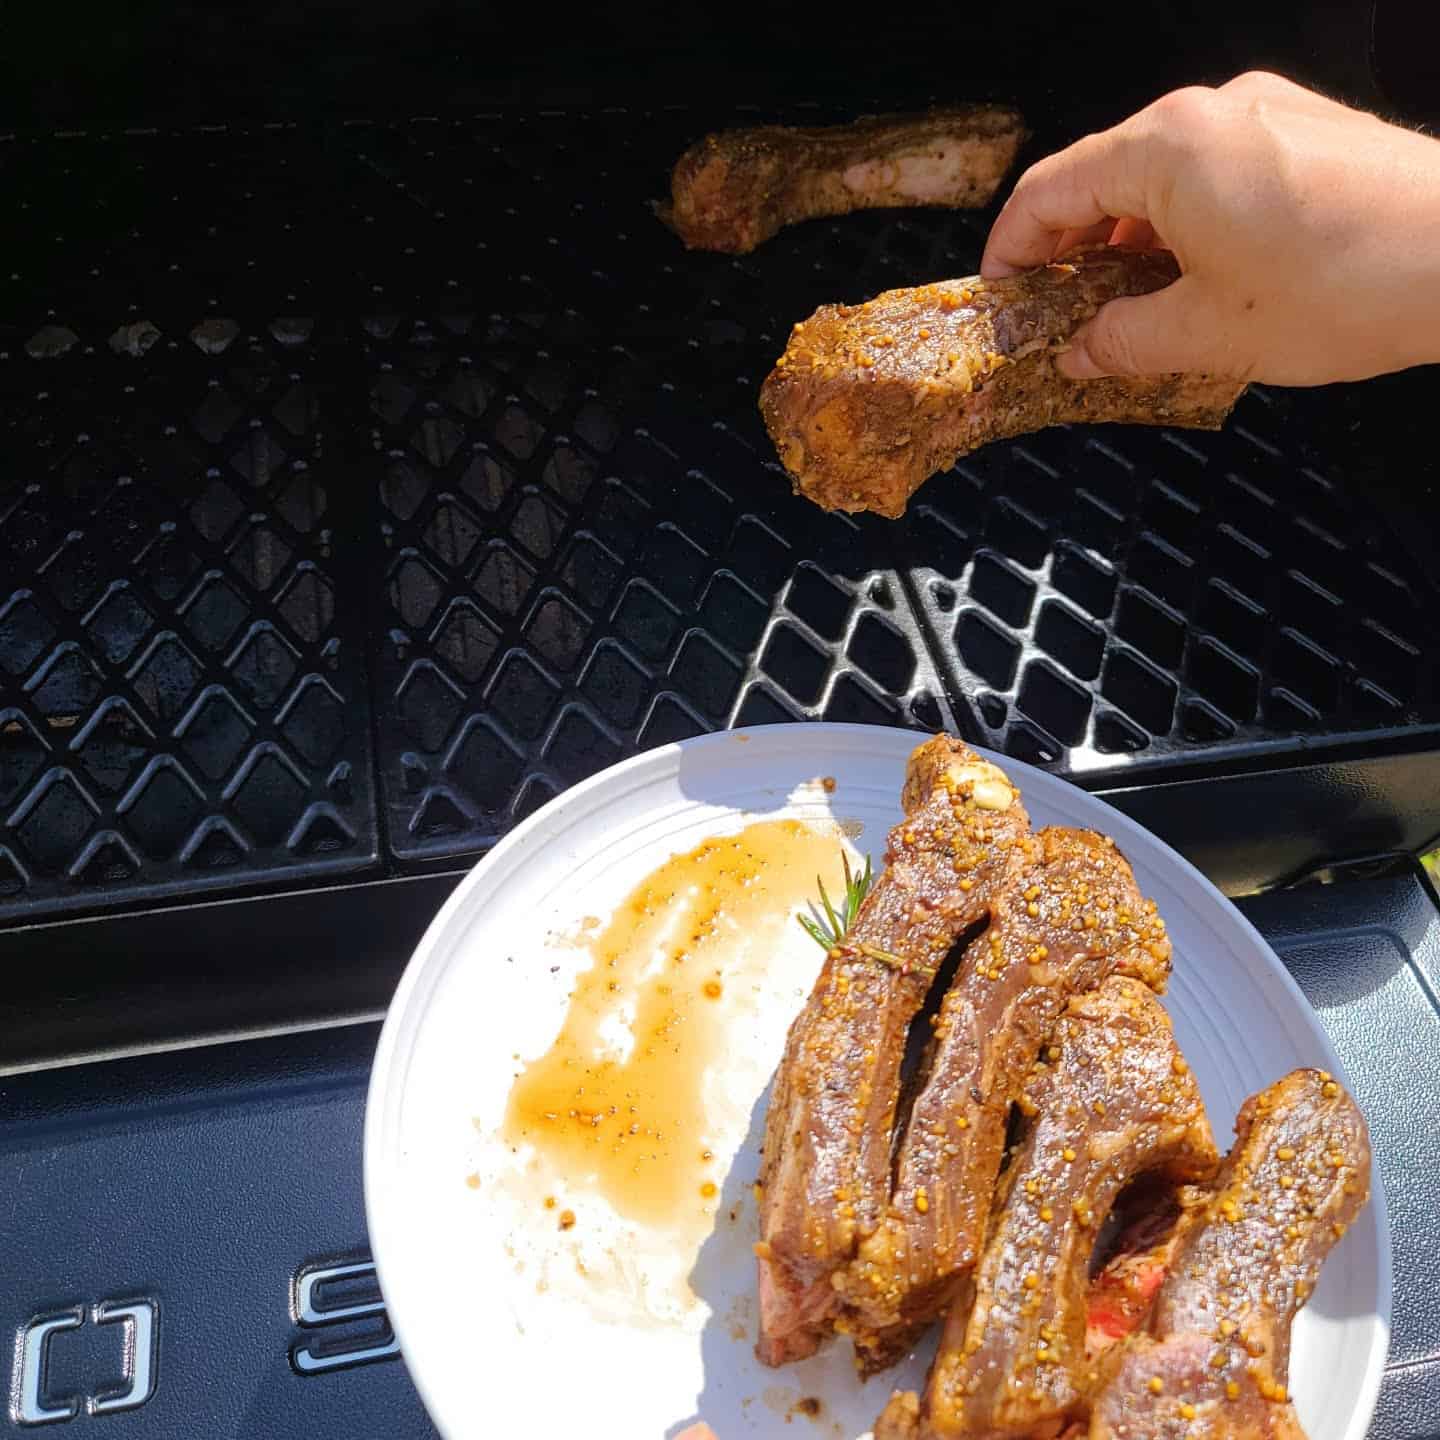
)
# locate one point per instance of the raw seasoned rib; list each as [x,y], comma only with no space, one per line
[826,1169]
[1115,1099]
[1120,1295]
[868,401]
[1213,1360]
[1071,918]
[1125,1287]
[734,190]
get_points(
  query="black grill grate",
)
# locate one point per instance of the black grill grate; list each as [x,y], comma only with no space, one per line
[1101,594]
[181,675]
[429,439]
[563,588]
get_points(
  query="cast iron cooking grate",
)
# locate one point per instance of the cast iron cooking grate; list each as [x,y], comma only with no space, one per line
[427,443]
[179,665]
[1150,594]
[563,588]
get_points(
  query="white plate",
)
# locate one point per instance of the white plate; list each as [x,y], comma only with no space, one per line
[502,1332]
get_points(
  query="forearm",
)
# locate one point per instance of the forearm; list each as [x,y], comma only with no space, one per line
[1340,279]
[1414,250]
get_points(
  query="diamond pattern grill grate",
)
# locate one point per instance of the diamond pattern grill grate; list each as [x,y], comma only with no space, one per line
[360,490]
[1152,594]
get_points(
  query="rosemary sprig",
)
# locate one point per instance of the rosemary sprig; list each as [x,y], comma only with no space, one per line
[826,927]
[874,952]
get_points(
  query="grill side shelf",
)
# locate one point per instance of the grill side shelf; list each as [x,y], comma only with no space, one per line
[239,1230]
[1367,955]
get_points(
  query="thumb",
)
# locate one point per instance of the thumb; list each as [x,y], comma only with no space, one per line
[1157,334]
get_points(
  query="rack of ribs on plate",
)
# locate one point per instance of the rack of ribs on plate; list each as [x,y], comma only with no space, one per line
[1070,917]
[868,401]
[1109,1099]
[887,1200]
[732,191]
[866,1235]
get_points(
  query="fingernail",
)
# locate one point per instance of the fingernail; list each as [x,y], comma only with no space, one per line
[1076,363]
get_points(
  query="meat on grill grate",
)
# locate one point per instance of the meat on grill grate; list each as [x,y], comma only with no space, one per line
[733,191]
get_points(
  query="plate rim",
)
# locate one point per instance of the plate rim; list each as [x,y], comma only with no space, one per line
[384,1083]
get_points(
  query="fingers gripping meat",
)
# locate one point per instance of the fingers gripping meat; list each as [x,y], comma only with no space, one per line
[870,400]
[733,191]
[1071,918]
[826,1171]
[1213,1360]
[1112,1099]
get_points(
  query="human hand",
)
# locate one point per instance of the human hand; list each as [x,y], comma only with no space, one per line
[697,1432]
[1307,233]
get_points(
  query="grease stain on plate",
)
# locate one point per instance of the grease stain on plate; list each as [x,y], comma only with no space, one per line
[616,1107]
